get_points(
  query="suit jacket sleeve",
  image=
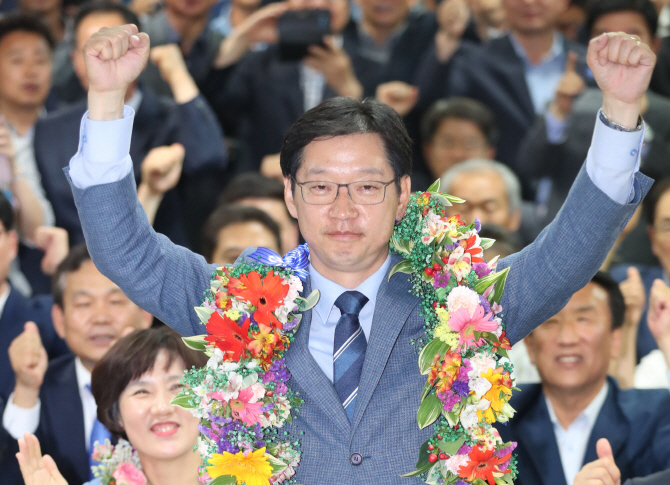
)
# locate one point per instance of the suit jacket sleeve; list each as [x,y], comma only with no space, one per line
[165,279]
[565,256]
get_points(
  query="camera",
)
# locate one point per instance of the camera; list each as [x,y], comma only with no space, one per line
[298,29]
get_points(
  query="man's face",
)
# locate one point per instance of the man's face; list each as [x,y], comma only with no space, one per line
[339,11]
[455,140]
[345,237]
[572,350]
[39,7]
[385,14]
[659,233]
[95,314]
[9,244]
[90,25]
[277,210]
[235,238]
[485,198]
[25,69]
[190,9]
[626,21]
[533,16]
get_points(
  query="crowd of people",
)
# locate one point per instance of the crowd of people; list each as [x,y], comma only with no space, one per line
[500,105]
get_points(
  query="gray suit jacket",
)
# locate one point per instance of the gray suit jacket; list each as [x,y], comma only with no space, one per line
[169,281]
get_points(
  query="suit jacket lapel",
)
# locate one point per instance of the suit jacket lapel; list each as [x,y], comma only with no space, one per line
[611,424]
[309,375]
[539,442]
[514,74]
[392,309]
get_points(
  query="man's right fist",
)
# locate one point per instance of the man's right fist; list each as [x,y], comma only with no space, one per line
[29,361]
[114,58]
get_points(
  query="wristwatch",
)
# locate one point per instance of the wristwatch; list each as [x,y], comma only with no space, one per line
[617,126]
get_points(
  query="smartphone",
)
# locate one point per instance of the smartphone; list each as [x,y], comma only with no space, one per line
[298,29]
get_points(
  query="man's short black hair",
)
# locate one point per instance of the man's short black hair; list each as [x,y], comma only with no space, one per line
[597,8]
[21,22]
[105,6]
[252,185]
[226,215]
[650,202]
[615,299]
[72,262]
[462,108]
[346,116]
[6,213]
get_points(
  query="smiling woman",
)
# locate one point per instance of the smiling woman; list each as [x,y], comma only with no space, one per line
[133,386]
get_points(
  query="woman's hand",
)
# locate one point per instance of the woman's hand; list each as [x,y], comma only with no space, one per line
[35,468]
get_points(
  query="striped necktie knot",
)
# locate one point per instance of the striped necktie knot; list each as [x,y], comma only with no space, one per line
[351,302]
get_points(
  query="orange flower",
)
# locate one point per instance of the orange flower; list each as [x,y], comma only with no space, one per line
[468,245]
[483,465]
[228,336]
[503,342]
[445,373]
[265,294]
[499,393]
[264,344]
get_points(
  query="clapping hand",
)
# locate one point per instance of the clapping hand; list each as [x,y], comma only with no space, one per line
[35,468]
[29,361]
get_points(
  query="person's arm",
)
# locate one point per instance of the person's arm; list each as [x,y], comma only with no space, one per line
[604,196]
[164,279]
[161,170]
[602,471]
[337,69]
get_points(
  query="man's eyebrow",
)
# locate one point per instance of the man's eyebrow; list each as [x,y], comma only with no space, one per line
[366,170]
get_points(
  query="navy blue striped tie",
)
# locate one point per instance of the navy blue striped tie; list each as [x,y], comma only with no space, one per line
[349,349]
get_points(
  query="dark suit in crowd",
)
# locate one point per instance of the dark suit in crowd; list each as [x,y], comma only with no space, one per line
[158,121]
[660,478]
[19,310]
[635,421]
[494,75]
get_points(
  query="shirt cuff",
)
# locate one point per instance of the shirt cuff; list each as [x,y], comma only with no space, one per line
[18,421]
[613,160]
[103,156]
[555,128]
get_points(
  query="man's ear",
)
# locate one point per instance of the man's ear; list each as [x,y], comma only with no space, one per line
[288,198]
[530,346]
[615,347]
[403,197]
[58,318]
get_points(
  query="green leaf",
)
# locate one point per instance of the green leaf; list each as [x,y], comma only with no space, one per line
[427,355]
[434,187]
[498,279]
[250,380]
[297,317]
[451,447]
[204,313]
[426,390]
[224,480]
[197,342]
[441,199]
[486,242]
[434,474]
[423,465]
[309,302]
[453,199]
[183,400]
[404,266]
[429,410]
[441,294]
[451,417]
[277,464]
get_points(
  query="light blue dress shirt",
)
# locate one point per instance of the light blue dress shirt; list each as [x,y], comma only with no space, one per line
[325,314]
[543,78]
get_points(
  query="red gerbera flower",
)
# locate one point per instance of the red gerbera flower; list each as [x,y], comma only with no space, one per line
[483,465]
[265,294]
[228,336]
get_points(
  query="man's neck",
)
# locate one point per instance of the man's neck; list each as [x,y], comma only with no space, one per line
[188,29]
[536,44]
[348,279]
[379,33]
[21,118]
[569,405]
[179,471]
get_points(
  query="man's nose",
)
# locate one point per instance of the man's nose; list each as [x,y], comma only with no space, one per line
[567,334]
[343,207]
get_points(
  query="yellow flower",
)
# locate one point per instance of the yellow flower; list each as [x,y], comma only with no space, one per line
[253,469]
[442,330]
[498,395]
[233,314]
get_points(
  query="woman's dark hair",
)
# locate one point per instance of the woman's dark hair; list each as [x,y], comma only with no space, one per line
[21,22]
[130,358]
[597,8]
[615,300]
[346,116]
[461,108]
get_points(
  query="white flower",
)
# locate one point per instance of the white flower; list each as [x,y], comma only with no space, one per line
[232,387]
[258,392]
[469,417]
[499,330]
[454,463]
[506,413]
[251,365]
[480,386]
[228,366]
[462,297]
[481,363]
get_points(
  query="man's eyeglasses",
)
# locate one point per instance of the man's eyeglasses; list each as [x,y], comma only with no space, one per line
[366,192]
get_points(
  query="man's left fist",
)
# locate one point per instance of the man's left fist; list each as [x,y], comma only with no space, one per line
[115,57]
[622,67]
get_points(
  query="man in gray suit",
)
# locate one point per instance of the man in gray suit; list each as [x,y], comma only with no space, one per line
[332,156]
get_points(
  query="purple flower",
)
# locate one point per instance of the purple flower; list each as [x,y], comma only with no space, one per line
[281,388]
[460,482]
[464,450]
[485,303]
[268,377]
[441,280]
[461,388]
[449,400]
[506,450]
[478,224]
[288,326]
[482,269]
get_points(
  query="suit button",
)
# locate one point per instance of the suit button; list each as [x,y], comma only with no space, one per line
[356,459]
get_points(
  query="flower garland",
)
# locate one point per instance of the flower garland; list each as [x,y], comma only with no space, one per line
[241,396]
[468,387]
[118,465]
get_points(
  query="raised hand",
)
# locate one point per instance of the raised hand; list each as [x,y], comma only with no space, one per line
[452,17]
[622,66]
[398,95]
[170,62]
[336,67]
[54,241]
[634,296]
[29,362]
[603,471]
[658,316]
[161,168]
[114,58]
[570,86]
[35,468]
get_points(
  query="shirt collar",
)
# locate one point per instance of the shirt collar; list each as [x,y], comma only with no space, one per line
[556,50]
[591,411]
[3,299]
[83,375]
[330,290]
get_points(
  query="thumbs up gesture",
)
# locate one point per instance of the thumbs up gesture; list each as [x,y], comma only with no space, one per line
[603,471]
[569,87]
